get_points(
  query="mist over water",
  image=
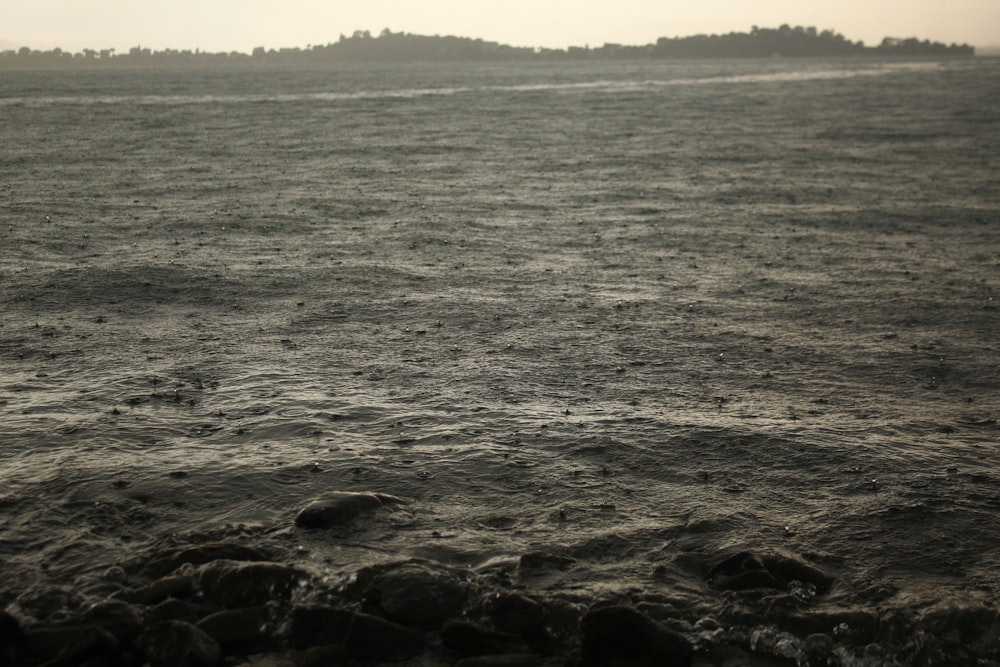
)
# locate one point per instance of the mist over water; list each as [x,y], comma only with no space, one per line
[642,316]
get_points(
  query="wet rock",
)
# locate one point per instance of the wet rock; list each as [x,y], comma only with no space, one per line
[509,660]
[818,648]
[173,610]
[540,561]
[522,616]
[662,612]
[745,581]
[173,643]
[340,508]
[418,596]
[747,571]
[857,625]
[966,624]
[766,640]
[735,656]
[11,637]
[50,603]
[237,628]
[121,619]
[788,570]
[736,563]
[564,617]
[324,656]
[623,637]
[176,586]
[206,553]
[363,634]
[235,584]
[469,639]
[71,645]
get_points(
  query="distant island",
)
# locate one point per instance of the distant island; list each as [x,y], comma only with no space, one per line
[391,47]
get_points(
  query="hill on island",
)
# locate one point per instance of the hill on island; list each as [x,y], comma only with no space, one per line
[388,46]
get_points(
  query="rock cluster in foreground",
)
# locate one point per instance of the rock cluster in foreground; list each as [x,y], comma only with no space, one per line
[231,603]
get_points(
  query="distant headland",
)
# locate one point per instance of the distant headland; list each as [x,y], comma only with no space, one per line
[388,47]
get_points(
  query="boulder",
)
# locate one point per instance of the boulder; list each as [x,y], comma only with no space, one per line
[177,586]
[178,643]
[173,610]
[522,616]
[541,561]
[119,618]
[418,596]
[469,639]
[234,584]
[68,646]
[340,508]
[49,603]
[788,570]
[623,637]
[747,571]
[237,628]
[508,660]
[861,626]
[206,553]
[11,637]
[362,634]
[324,656]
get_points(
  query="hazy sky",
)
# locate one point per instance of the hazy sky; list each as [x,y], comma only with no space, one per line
[240,25]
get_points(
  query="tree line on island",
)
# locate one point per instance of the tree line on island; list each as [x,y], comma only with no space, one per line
[388,46]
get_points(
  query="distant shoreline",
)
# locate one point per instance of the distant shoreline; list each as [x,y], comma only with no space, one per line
[390,47]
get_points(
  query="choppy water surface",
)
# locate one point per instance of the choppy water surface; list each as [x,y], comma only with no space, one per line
[639,315]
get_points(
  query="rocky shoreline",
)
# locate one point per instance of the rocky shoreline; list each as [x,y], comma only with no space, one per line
[239,603]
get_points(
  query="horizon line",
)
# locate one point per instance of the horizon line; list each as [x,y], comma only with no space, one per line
[6,45]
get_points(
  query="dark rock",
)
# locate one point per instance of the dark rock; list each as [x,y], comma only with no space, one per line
[11,637]
[662,612]
[419,596]
[539,560]
[749,580]
[50,603]
[509,660]
[967,624]
[747,571]
[341,508]
[735,656]
[319,626]
[237,628]
[469,639]
[69,646]
[623,637]
[176,586]
[374,637]
[234,584]
[362,634]
[520,615]
[735,564]
[564,617]
[818,648]
[206,553]
[324,656]
[175,643]
[860,626]
[741,572]
[788,570]
[173,610]
[117,617]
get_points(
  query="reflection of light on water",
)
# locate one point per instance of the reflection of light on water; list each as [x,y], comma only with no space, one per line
[602,85]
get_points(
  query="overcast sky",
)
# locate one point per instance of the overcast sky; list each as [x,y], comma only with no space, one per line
[240,25]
